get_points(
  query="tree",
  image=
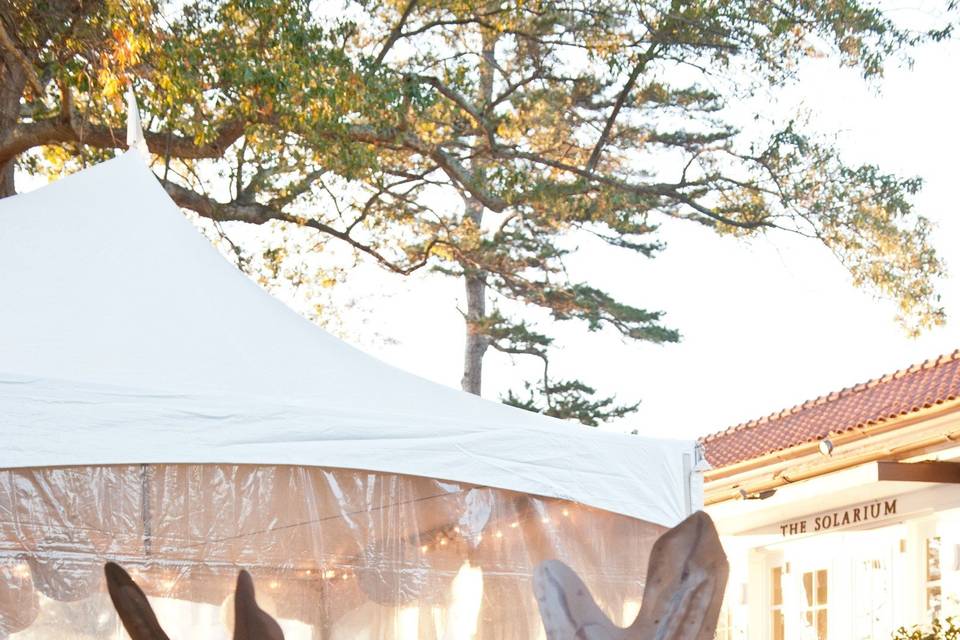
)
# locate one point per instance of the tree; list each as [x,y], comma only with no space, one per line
[545,119]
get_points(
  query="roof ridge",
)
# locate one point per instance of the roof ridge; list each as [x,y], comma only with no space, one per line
[834,396]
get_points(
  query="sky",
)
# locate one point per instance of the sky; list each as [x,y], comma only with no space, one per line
[766,324]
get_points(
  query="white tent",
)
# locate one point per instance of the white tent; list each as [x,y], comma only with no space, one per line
[127,343]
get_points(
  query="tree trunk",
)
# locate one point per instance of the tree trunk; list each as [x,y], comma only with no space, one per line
[475,282]
[12,82]
[476,342]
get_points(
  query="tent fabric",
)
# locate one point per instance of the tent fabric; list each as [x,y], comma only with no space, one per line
[125,338]
[159,409]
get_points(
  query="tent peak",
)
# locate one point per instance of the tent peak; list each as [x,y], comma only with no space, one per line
[135,139]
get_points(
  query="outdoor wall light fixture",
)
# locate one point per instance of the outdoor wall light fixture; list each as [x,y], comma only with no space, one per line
[759,495]
[826,447]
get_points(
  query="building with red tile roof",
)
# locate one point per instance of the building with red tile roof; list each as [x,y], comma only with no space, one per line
[895,395]
[841,516]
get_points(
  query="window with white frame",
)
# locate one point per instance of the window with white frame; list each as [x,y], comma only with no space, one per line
[776,604]
[933,576]
[814,605]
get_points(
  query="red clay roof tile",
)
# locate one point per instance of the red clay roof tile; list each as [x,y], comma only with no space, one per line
[896,394]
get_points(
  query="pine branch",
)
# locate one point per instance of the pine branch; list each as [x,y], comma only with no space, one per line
[257,213]
[618,105]
[396,32]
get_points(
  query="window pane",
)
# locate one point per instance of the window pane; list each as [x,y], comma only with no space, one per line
[933,599]
[822,624]
[822,586]
[776,591]
[933,558]
[777,625]
[808,588]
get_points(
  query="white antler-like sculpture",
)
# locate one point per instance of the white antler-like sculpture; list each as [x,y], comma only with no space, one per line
[686,577]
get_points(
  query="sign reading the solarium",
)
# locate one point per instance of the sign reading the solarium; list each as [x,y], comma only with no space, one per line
[838,519]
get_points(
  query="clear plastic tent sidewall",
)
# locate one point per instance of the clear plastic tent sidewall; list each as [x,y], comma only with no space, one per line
[334,553]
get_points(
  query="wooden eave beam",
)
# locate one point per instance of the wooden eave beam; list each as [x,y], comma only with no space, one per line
[930,471]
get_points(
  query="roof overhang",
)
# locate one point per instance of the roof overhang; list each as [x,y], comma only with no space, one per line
[925,431]
[849,488]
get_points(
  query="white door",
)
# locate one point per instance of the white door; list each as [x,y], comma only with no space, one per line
[800,590]
[798,594]
[876,568]
[813,589]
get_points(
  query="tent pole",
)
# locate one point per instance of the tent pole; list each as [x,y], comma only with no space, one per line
[687,482]
[145,516]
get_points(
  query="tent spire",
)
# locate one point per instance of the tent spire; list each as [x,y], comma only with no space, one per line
[135,139]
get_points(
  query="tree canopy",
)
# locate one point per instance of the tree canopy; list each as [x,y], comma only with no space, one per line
[474,138]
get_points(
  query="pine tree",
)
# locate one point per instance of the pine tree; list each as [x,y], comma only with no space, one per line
[477,139]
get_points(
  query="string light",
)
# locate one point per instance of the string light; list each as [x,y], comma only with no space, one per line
[443,538]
